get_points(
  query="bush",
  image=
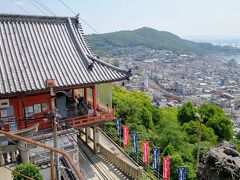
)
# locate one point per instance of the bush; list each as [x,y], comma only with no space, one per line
[27,169]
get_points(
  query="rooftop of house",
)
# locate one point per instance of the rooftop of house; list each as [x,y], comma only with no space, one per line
[34,49]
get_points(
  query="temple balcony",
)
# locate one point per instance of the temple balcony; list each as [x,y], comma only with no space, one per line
[75,119]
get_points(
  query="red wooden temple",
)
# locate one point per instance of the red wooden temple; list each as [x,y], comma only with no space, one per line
[46,66]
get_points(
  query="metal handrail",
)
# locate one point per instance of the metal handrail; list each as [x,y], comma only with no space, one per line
[52,149]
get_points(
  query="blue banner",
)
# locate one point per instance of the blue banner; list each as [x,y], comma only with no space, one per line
[155,154]
[135,142]
[118,124]
[182,173]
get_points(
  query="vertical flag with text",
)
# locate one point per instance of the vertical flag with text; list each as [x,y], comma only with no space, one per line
[145,150]
[155,156]
[182,170]
[135,142]
[125,135]
[166,168]
[118,125]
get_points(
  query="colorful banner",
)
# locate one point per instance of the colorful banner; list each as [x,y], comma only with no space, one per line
[125,135]
[135,142]
[155,156]
[166,168]
[118,125]
[182,170]
[145,150]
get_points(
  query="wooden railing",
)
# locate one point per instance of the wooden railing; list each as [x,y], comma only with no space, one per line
[45,122]
[91,119]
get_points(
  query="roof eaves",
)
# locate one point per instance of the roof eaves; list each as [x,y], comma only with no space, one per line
[94,59]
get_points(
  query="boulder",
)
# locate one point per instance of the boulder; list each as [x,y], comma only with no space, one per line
[220,163]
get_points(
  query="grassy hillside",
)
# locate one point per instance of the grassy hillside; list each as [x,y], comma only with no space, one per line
[151,38]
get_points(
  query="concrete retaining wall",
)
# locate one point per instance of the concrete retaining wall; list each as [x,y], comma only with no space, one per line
[121,164]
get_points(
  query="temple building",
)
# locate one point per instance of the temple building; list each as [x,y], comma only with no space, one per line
[46,66]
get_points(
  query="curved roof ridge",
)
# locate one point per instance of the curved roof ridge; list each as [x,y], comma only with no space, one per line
[108,65]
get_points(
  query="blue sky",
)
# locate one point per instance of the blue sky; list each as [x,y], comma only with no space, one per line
[186,18]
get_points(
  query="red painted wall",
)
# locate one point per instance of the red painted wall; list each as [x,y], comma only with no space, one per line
[38,104]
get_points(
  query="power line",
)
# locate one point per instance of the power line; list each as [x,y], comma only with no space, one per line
[76,14]
[92,28]
[37,7]
[45,7]
[83,151]
[19,6]
[70,9]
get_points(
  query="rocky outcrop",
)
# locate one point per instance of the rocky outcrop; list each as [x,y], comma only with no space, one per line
[220,163]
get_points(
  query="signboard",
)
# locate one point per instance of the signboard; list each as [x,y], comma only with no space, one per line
[13,126]
[4,103]
[7,112]
[44,107]
[118,126]
[135,142]
[37,108]
[29,111]
[4,113]
[125,135]
[145,150]
[155,156]
[182,170]
[166,168]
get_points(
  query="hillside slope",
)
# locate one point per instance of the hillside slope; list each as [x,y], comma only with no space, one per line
[150,38]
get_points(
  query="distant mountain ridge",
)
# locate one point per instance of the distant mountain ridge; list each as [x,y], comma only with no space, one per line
[150,38]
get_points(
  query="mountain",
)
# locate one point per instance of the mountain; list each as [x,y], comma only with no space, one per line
[150,38]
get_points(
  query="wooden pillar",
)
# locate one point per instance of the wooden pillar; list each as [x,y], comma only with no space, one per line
[94,96]
[96,139]
[88,134]
[14,158]
[20,113]
[86,95]
[73,94]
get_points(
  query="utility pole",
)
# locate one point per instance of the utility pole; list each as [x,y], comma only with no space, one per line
[54,125]
[56,156]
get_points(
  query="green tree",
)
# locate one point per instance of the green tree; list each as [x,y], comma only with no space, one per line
[146,117]
[222,126]
[192,128]
[27,169]
[215,118]
[186,113]
[169,150]
[207,111]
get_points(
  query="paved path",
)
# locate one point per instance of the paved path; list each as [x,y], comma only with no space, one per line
[96,167]
[5,174]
